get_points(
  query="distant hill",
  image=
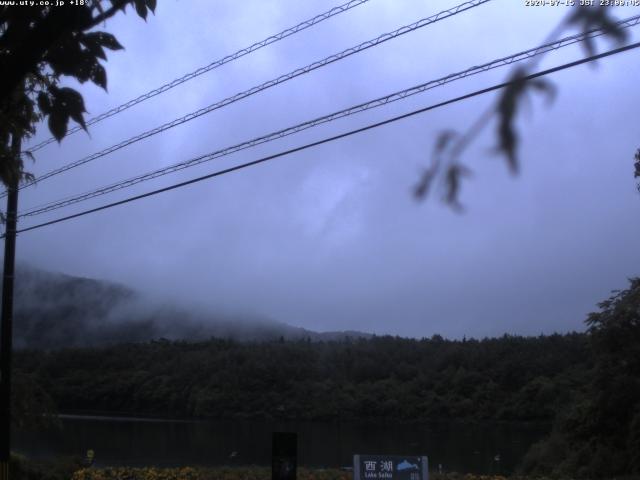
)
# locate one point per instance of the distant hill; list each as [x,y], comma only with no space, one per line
[54,310]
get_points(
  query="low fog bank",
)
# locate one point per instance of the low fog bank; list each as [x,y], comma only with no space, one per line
[54,310]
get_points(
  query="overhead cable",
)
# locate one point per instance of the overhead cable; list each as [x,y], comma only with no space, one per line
[378,102]
[337,137]
[213,65]
[259,88]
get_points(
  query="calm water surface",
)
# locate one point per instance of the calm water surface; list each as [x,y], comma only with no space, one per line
[143,442]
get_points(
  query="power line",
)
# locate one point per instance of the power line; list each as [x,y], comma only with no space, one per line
[213,65]
[271,83]
[339,136]
[564,42]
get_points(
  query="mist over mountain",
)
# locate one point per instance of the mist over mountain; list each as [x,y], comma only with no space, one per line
[55,310]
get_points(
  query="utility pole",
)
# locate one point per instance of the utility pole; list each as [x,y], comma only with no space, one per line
[6,321]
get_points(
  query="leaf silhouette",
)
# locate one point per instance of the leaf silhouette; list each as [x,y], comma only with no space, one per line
[30,155]
[107,40]
[141,8]
[453,176]
[594,18]
[421,190]
[545,87]
[507,109]
[72,103]
[444,140]
[92,43]
[99,76]
[636,174]
[58,124]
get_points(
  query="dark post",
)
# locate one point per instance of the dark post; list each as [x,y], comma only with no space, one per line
[6,323]
[284,456]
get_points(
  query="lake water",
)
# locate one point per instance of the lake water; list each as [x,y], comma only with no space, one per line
[143,442]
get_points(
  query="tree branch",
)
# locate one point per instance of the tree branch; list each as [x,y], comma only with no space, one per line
[110,12]
[31,50]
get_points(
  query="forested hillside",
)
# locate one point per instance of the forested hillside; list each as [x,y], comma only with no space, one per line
[586,386]
[508,378]
[54,310]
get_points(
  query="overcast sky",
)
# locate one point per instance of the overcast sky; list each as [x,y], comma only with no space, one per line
[331,238]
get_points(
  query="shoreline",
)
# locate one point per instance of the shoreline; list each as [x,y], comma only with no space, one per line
[101,415]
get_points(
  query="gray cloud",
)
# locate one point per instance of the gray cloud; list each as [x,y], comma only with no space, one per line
[331,238]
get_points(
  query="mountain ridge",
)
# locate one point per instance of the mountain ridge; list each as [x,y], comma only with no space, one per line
[55,310]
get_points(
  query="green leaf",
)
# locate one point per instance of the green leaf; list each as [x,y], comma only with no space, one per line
[99,76]
[506,110]
[141,8]
[44,103]
[58,124]
[423,187]
[444,140]
[28,177]
[152,5]
[71,104]
[543,86]
[69,58]
[30,155]
[92,44]
[595,18]
[107,40]
[452,177]
[72,98]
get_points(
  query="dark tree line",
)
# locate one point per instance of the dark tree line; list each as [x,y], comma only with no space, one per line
[508,378]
